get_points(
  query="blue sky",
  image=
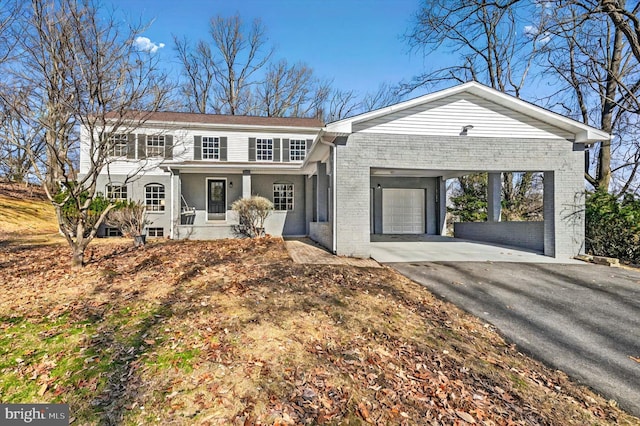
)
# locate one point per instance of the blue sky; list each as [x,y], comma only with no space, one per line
[356,43]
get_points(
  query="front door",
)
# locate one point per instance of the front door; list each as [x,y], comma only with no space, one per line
[216,199]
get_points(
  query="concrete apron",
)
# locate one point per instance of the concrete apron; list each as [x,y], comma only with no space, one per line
[436,248]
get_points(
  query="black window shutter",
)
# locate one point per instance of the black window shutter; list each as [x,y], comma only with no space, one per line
[223,148]
[309,143]
[252,149]
[168,147]
[197,147]
[285,150]
[131,146]
[142,147]
[276,150]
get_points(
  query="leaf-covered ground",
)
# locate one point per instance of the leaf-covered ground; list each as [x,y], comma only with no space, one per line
[24,209]
[233,332]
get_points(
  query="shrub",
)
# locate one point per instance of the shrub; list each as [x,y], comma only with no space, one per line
[70,211]
[252,212]
[613,226]
[130,217]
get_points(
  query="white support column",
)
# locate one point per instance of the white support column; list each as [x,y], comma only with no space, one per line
[246,184]
[549,212]
[175,208]
[442,205]
[494,197]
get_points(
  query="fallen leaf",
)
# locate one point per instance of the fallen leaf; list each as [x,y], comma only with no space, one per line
[466,417]
[43,389]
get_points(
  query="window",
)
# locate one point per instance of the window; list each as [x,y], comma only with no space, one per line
[155,232]
[118,145]
[297,149]
[117,192]
[210,148]
[283,196]
[154,197]
[112,232]
[264,149]
[155,146]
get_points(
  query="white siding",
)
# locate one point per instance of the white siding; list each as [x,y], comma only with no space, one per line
[447,116]
[183,139]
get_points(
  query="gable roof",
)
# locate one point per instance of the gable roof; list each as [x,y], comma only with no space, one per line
[227,120]
[583,133]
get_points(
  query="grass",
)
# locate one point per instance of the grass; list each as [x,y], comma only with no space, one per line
[233,332]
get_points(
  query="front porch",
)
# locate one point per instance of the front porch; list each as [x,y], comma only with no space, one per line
[202,200]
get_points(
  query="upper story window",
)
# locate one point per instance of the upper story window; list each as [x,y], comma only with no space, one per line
[283,196]
[155,145]
[210,148]
[297,149]
[154,197]
[118,145]
[264,149]
[117,192]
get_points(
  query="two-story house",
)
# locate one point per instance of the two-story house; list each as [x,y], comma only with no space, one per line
[382,172]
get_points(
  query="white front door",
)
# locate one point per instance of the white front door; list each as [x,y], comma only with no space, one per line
[403,211]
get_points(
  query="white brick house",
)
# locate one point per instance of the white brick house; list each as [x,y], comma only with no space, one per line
[379,172]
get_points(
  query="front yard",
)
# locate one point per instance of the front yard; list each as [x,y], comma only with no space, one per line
[234,332]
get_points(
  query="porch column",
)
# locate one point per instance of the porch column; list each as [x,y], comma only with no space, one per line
[442,205]
[246,184]
[308,202]
[494,197]
[176,204]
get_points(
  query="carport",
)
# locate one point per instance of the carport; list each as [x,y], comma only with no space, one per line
[414,202]
[384,172]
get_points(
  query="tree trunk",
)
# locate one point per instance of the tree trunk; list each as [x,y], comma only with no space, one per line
[608,107]
[77,259]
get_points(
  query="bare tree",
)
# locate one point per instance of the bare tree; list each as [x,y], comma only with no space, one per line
[285,91]
[341,104]
[625,20]
[221,72]
[80,72]
[485,36]
[198,70]
[21,141]
[597,82]
[240,53]
[385,95]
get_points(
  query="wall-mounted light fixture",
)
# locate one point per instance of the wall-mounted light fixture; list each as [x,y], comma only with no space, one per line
[379,186]
[465,129]
[230,184]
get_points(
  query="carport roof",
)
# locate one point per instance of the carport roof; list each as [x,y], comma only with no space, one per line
[583,133]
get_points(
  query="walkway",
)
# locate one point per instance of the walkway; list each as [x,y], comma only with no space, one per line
[304,250]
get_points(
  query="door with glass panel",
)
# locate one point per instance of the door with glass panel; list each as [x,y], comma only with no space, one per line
[216,199]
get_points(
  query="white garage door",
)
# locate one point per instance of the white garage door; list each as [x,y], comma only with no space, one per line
[402,211]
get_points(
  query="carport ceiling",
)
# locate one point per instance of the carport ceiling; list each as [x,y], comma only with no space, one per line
[447,174]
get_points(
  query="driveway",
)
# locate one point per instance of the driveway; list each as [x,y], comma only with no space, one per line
[582,319]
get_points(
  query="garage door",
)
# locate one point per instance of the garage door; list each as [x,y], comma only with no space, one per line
[402,211]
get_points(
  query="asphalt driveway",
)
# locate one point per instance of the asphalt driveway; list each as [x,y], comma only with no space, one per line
[582,319]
